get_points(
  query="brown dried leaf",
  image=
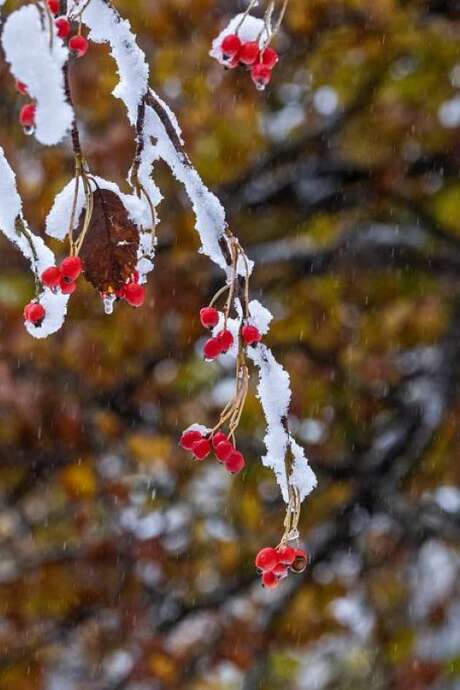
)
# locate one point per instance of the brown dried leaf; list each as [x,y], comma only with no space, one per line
[109,250]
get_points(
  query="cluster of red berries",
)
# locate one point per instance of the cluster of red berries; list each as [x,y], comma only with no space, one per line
[222,342]
[77,44]
[63,277]
[260,61]
[201,446]
[132,292]
[275,564]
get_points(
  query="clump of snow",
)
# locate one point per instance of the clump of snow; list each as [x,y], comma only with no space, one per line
[39,65]
[197,427]
[260,317]
[32,247]
[210,215]
[302,476]
[251,29]
[106,26]
[274,394]
[55,305]
[57,222]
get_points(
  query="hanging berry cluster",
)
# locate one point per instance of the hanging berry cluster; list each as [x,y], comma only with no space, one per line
[221,437]
[246,43]
[111,236]
[275,564]
[202,444]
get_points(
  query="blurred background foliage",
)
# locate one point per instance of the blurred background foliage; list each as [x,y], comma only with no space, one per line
[123,564]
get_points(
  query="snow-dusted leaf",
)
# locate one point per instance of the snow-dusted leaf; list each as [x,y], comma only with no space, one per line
[109,250]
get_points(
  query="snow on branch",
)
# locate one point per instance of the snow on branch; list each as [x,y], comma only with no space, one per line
[37,57]
[109,231]
[15,228]
[210,215]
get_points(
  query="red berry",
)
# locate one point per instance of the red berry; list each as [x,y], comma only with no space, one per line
[21,88]
[209,317]
[188,438]
[267,559]
[70,268]
[51,277]
[34,313]
[301,561]
[225,339]
[286,555]
[68,287]
[249,53]
[78,45]
[135,277]
[201,449]
[230,45]
[251,335]
[261,75]
[280,570]
[134,294]
[235,462]
[269,580]
[269,58]
[63,27]
[54,6]
[27,115]
[218,438]
[212,348]
[224,450]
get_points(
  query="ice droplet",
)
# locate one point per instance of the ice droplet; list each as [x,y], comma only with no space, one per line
[108,301]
